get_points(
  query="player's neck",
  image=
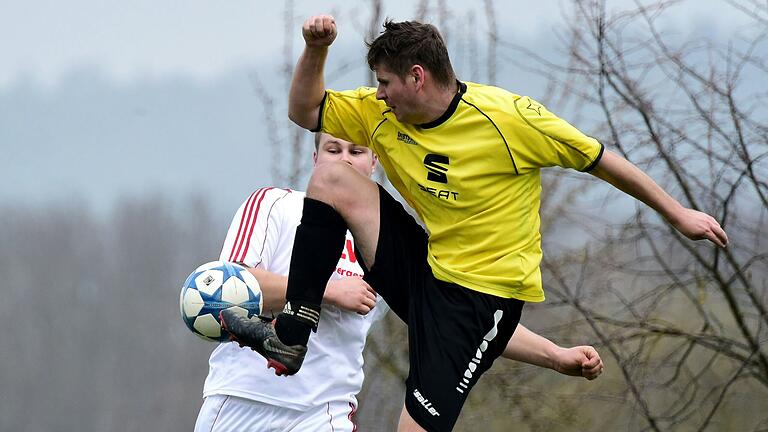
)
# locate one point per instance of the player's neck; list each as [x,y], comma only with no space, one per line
[437,103]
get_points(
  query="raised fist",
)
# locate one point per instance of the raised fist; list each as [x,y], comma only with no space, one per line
[319,30]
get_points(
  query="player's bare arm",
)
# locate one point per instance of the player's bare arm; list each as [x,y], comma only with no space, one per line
[627,177]
[352,293]
[308,84]
[527,346]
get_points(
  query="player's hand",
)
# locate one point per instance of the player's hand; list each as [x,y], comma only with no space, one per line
[319,30]
[699,226]
[352,294]
[581,361]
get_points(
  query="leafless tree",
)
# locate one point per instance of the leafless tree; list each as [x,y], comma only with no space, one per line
[685,323]
[682,325]
[288,143]
[493,40]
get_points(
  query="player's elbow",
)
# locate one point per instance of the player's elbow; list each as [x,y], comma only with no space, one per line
[296,118]
[304,118]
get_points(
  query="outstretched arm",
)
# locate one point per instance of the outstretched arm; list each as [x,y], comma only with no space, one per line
[526,346]
[353,294]
[627,177]
[308,84]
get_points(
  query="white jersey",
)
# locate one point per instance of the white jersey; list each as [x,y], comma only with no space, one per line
[262,233]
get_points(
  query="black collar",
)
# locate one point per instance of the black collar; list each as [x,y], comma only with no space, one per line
[451,108]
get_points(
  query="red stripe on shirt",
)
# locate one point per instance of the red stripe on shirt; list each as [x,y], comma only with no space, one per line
[245,219]
[252,226]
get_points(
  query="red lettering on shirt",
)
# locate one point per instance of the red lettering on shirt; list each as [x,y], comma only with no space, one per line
[350,252]
[348,273]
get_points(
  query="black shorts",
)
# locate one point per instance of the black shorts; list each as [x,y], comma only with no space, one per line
[454,333]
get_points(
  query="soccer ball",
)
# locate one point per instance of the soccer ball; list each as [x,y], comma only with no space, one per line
[213,287]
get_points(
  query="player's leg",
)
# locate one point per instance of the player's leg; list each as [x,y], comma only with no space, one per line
[337,197]
[400,255]
[407,423]
[355,198]
[454,335]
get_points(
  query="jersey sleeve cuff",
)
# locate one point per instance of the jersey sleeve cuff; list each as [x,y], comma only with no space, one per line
[320,115]
[596,161]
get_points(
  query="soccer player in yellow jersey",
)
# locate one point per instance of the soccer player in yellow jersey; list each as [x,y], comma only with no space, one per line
[467,158]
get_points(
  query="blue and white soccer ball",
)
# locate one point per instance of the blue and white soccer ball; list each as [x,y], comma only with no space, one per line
[213,287]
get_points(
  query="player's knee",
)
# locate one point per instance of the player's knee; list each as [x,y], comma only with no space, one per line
[330,180]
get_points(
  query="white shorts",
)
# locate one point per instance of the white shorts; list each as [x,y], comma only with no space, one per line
[222,413]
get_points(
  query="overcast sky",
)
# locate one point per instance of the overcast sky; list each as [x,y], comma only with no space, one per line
[139,39]
[99,99]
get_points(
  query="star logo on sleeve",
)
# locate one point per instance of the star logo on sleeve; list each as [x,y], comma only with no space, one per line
[533,106]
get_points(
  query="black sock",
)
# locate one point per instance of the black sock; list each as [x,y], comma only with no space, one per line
[295,323]
[316,250]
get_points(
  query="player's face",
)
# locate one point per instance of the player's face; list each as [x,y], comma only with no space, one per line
[332,149]
[398,93]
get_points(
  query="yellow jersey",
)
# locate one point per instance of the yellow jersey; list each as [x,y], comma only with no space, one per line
[473,177]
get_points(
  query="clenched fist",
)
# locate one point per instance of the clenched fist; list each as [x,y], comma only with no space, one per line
[319,31]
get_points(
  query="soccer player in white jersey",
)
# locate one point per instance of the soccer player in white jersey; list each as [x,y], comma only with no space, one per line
[240,394]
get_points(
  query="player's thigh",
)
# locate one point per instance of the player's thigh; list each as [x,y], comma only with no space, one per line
[355,197]
[400,265]
[454,334]
[334,416]
[407,423]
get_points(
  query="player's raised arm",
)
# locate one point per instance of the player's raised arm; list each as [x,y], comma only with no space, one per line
[308,84]
[627,177]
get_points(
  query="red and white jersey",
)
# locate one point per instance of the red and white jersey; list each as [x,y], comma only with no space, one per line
[262,233]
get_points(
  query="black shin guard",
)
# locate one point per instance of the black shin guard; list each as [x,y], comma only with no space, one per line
[319,240]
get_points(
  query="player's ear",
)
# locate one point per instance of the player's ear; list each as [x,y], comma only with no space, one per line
[314,157]
[417,74]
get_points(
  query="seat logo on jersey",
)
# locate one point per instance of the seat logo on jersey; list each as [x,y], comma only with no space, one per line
[436,172]
[405,138]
